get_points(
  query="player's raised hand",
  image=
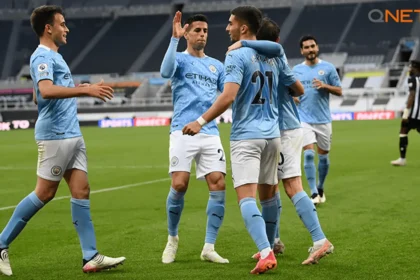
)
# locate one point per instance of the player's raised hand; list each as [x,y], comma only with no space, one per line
[317,83]
[177,30]
[234,46]
[192,128]
[100,91]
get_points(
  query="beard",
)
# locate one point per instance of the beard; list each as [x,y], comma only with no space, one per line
[312,56]
[199,46]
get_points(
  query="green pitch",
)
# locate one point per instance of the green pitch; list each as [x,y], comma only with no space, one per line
[372,214]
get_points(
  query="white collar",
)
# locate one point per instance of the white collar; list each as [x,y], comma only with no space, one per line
[43,46]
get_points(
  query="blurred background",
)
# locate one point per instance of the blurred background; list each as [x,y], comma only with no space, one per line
[124,41]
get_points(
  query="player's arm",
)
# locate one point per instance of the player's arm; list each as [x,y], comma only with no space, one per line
[34,97]
[169,63]
[287,77]
[296,89]
[412,87]
[266,48]
[333,85]
[50,91]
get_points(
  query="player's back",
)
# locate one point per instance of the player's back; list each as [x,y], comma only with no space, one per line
[288,114]
[314,105]
[255,109]
[57,118]
[194,89]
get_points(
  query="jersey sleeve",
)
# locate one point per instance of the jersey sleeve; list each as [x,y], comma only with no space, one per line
[170,60]
[412,83]
[286,76]
[234,68]
[266,48]
[43,68]
[333,78]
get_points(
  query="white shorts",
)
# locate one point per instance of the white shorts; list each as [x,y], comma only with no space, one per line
[207,150]
[321,134]
[290,155]
[255,161]
[57,156]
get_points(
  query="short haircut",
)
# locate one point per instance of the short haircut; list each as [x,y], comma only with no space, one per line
[250,15]
[197,17]
[269,30]
[307,38]
[42,16]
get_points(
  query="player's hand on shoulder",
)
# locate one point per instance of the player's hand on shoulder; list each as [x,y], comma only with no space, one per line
[234,46]
[101,91]
[177,30]
[192,128]
[317,84]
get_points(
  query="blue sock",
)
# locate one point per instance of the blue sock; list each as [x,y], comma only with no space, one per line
[310,171]
[174,207]
[254,222]
[278,221]
[80,212]
[270,214]
[323,167]
[25,210]
[215,214]
[307,213]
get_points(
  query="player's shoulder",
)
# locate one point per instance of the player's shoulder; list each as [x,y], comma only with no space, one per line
[299,67]
[326,64]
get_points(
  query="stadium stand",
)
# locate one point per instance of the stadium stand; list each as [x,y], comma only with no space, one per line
[125,41]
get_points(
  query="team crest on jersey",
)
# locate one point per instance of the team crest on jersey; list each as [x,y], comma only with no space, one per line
[321,72]
[56,170]
[174,161]
[212,69]
[42,67]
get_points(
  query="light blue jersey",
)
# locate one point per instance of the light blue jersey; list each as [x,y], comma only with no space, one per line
[314,107]
[195,84]
[255,109]
[57,118]
[288,114]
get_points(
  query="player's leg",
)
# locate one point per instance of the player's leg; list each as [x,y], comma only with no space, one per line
[245,157]
[324,137]
[211,164]
[404,130]
[49,173]
[182,149]
[267,188]
[77,180]
[309,138]
[308,215]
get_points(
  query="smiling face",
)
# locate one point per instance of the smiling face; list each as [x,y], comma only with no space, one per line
[57,30]
[309,50]
[197,34]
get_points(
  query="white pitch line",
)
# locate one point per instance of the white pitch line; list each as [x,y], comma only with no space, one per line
[104,190]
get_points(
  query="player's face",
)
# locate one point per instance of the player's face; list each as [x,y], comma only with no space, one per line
[309,50]
[197,35]
[58,30]
[234,29]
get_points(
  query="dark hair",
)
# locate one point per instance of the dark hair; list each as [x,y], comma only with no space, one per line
[197,17]
[307,38]
[269,30]
[250,15]
[415,64]
[42,16]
